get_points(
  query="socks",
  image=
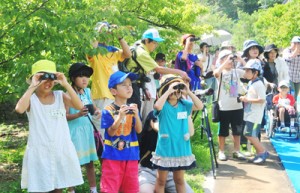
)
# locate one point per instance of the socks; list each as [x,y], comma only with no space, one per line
[93,189]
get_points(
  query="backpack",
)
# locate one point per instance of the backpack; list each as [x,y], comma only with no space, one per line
[139,70]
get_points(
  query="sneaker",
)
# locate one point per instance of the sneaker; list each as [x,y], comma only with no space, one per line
[222,156]
[238,155]
[293,130]
[283,129]
[261,158]
[244,150]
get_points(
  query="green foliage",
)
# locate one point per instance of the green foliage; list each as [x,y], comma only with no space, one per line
[62,31]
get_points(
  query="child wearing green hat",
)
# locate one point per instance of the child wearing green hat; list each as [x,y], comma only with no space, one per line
[50,161]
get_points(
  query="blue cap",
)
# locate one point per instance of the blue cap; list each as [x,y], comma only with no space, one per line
[118,77]
[254,64]
[153,35]
[250,43]
[296,39]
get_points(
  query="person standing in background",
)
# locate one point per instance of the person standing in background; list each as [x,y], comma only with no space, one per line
[104,66]
[292,58]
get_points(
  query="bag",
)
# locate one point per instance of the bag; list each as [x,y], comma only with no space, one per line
[215,108]
[215,111]
[98,142]
[123,65]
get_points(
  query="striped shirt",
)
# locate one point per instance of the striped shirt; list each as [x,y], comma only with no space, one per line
[293,64]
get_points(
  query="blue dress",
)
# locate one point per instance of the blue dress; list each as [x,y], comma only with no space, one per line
[81,131]
[173,150]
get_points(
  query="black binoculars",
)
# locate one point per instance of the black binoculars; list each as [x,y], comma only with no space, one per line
[238,98]
[179,86]
[233,57]
[46,76]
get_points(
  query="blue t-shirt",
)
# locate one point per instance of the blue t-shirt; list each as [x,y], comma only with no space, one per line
[125,135]
[173,127]
[192,70]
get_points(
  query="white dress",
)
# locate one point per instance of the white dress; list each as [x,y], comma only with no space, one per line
[50,160]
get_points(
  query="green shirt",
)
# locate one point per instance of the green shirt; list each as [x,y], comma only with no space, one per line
[144,59]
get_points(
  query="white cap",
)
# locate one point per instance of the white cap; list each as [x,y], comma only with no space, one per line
[296,39]
[283,83]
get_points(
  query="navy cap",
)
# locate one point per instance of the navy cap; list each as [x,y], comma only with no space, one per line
[119,77]
[251,43]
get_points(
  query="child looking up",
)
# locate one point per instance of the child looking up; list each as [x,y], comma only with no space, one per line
[121,122]
[50,162]
[173,151]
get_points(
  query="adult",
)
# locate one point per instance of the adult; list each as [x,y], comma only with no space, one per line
[292,58]
[227,45]
[103,66]
[147,103]
[149,43]
[275,68]
[188,62]
[231,110]
[147,174]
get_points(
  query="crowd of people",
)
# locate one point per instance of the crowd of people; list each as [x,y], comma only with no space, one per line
[144,113]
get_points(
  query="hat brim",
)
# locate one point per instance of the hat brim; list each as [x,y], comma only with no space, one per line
[246,50]
[158,39]
[167,82]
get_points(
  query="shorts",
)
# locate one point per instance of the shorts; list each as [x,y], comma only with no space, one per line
[251,129]
[233,118]
[119,176]
[148,176]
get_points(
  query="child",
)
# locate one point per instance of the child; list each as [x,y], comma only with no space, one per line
[254,103]
[285,105]
[173,151]
[50,162]
[121,148]
[80,125]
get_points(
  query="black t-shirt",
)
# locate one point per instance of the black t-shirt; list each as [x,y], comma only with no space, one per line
[148,141]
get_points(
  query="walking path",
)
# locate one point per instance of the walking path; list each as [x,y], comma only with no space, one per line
[234,176]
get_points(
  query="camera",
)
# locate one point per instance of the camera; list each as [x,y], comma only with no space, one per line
[145,78]
[238,98]
[179,86]
[233,57]
[46,76]
[90,108]
[130,111]
[193,39]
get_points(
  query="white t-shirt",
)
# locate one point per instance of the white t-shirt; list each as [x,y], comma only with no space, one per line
[207,65]
[253,112]
[230,88]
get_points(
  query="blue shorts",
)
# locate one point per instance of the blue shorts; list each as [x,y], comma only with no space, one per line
[251,129]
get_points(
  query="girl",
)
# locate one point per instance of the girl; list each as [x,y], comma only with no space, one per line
[50,162]
[81,128]
[173,151]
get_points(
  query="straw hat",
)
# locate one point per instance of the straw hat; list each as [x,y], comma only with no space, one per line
[165,81]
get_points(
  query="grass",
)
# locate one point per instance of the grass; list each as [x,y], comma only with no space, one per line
[13,139]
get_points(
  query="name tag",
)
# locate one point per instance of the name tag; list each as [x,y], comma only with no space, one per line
[181,115]
[57,113]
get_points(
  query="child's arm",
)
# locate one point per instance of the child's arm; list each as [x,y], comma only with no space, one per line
[24,102]
[197,103]
[71,100]
[83,112]
[138,123]
[161,100]
[114,127]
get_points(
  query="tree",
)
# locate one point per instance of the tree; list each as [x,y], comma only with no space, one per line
[62,31]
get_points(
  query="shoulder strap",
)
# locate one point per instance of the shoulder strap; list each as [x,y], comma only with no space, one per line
[219,87]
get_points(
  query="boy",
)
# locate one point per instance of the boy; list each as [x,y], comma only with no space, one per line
[254,103]
[121,148]
[284,105]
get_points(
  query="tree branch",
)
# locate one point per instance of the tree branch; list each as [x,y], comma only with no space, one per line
[161,25]
[29,14]
[17,55]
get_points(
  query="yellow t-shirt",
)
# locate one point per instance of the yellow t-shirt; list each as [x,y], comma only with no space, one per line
[144,59]
[103,68]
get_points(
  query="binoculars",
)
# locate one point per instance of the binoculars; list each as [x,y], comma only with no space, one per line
[47,75]
[179,87]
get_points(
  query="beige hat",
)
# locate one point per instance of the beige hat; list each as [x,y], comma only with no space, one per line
[167,80]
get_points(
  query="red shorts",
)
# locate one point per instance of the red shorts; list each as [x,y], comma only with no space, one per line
[119,176]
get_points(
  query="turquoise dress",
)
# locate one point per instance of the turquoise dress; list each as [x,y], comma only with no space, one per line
[81,131]
[173,151]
